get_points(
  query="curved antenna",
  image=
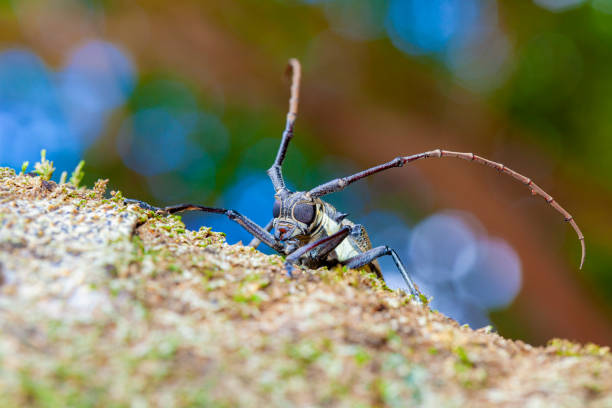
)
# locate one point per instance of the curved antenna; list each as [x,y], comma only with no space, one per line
[275,172]
[340,183]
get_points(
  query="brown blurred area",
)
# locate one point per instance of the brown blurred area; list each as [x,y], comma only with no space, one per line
[360,105]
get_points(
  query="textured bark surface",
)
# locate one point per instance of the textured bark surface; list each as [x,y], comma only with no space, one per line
[107,305]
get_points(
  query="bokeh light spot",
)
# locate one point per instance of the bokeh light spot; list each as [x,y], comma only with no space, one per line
[442,248]
[429,26]
[495,279]
[31,117]
[558,5]
[97,78]
[64,112]
[104,71]
[153,141]
[482,63]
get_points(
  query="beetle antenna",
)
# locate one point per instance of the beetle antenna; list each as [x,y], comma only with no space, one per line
[340,183]
[275,172]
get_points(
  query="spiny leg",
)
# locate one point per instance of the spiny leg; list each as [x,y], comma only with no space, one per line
[257,231]
[324,246]
[275,172]
[367,257]
[255,241]
[340,183]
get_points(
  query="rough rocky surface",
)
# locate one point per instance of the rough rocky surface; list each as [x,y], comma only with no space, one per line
[106,305]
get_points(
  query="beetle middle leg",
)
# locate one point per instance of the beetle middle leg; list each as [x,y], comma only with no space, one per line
[367,257]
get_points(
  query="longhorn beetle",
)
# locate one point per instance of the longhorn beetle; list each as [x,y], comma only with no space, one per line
[313,233]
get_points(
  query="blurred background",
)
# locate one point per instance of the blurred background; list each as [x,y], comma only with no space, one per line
[185,101]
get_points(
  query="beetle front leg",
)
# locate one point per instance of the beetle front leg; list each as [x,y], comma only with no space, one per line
[256,241]
[258,232]
[323,246]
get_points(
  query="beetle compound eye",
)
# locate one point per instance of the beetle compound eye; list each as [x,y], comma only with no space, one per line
[304,213]
[276,209]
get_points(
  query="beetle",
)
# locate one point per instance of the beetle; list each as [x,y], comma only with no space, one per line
[311,232]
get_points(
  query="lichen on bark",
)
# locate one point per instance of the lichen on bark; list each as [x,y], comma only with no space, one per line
[103,304]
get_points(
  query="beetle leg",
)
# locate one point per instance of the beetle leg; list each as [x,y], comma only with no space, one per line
[256,241]
[258,232]
[367,257]
[323,246]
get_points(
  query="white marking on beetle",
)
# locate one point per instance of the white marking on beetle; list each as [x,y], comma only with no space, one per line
[343,251]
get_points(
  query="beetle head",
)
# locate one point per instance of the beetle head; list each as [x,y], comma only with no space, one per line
[295,215]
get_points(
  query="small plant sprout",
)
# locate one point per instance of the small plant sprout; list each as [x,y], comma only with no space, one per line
[63,177]
[24,166]
[77,174]
[44,168]
[311,232]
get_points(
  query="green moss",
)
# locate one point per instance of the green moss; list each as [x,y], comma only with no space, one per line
[117,197]
[209,273]
[175,268]
[243,298]
[38,393]
[463,357]
[374,281]
[362,356]
[198,398]
[564,347]
[6,172]
[595,350]
[77,174]
[44,168]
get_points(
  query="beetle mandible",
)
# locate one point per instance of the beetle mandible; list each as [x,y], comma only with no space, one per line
[311,232]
